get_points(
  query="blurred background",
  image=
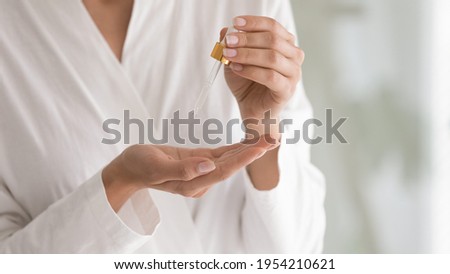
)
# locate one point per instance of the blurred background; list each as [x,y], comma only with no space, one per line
[384,64]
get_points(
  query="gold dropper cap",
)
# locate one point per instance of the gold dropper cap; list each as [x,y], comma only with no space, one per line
[217,53]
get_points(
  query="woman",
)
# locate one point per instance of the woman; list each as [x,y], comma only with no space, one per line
[67,66]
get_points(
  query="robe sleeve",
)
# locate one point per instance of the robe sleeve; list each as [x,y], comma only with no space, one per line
[81,222]
[289,218]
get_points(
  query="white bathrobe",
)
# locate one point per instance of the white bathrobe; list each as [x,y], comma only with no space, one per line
[59,81]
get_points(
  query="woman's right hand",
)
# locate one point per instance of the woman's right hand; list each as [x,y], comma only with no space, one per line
[188,172]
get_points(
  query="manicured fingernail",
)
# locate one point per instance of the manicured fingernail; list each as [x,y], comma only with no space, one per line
[232,39]
[239,22]
[229,52]
[236,67]
[206,167]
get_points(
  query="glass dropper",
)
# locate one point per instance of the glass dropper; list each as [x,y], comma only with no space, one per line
[217,53]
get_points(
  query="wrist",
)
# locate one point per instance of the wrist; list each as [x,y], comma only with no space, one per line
[119,186]
[259,112]
[267,123]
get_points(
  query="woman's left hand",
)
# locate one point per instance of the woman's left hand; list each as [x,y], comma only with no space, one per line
[266,65]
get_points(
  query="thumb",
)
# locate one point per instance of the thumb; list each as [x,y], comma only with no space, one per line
[223,32]
[186,169]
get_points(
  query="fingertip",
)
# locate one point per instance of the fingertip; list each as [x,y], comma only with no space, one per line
[201,193]
[239,21]
[272,147]
[236,67]
[260,154]
[272,142]
[251,141]
[223,32]
[252,154]
[206,167]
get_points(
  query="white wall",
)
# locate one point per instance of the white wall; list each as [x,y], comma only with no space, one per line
[438,73]
[365,59]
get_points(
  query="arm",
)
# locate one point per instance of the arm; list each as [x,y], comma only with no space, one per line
[284,199]
[87,220]
[263,76]
[290,218]
[81,222]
